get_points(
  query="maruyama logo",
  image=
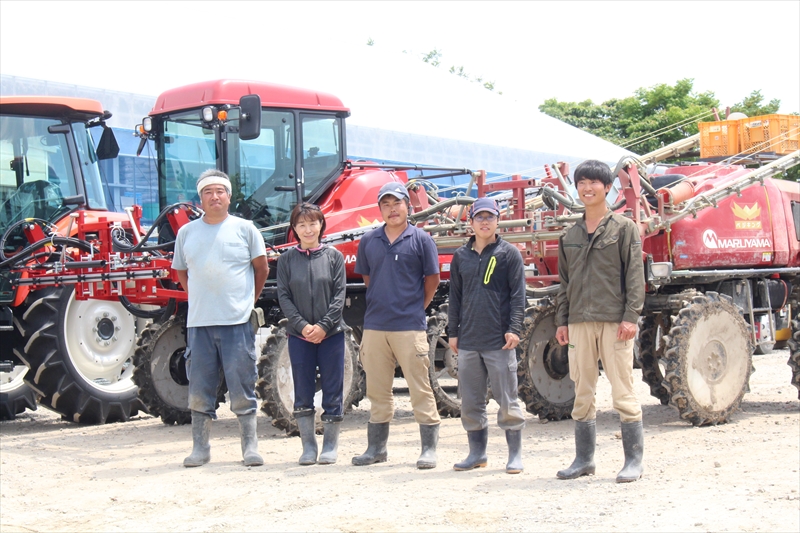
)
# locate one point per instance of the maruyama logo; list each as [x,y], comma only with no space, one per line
[710,240]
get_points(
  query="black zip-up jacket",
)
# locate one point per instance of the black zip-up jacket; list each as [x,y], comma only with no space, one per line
[487,295]
[311,288]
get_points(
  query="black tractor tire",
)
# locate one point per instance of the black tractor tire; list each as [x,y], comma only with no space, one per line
[443,370]
[709,359]
[794,354]
[80,355]
[160,373]
[275,385]
[651,352]
[15,395]
[543,368]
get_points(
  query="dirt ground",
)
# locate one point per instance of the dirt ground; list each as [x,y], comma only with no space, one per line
[741,476]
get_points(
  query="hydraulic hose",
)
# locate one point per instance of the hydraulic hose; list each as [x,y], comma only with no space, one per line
[159,315]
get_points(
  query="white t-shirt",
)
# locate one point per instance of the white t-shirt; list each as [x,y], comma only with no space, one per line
[218,258]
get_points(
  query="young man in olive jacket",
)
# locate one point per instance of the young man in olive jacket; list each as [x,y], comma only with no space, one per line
[598,305]
[487,304]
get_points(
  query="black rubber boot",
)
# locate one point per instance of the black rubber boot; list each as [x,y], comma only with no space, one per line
[514,440]
[429,435]
[583,465]
[201,432]
[306,425]
[477,451]
[330,443]
[633,445]
[247,428]
[377,437]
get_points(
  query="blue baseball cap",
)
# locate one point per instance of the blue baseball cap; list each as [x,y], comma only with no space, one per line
[484,204]
[398,190]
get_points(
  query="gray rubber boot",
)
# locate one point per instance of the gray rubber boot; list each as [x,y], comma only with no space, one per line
[429,435]
[247,428]
[477,451]
[201,432]
[330,443]
[377,437]
[585,438]
[633,445]
[306,424]
[514,440]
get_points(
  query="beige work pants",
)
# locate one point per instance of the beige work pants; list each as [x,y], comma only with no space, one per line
[381,351]
[598,340]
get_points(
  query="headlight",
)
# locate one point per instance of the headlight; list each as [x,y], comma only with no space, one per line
[208,114]
[660,270]
[147,124]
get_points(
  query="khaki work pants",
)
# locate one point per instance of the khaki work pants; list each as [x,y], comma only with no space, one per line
[381,351]
[598,340]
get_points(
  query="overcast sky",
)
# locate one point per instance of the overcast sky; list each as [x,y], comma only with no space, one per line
[532,50]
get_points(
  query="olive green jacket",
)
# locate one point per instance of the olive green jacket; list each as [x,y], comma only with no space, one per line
[602,279]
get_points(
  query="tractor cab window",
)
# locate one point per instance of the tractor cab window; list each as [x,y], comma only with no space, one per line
[322,151]
[262,173]
[35,170]
[186,150]
[93,183]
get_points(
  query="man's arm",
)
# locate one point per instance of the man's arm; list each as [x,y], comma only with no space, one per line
[634,283]
[260,273]
[562,303]
[183,277]
[431,284]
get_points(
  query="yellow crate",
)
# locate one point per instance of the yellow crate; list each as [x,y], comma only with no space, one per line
[719,139]
[770,133]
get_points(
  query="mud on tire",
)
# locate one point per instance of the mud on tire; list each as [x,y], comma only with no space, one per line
[443,369]
[160,374]
[543,368]
[794,354]
[275,385]
[79,354]
[708,356]
[651,350]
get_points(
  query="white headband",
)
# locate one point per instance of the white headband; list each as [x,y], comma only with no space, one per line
[213,180]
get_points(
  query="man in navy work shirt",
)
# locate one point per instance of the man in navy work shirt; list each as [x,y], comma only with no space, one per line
[400,266]
[487,304]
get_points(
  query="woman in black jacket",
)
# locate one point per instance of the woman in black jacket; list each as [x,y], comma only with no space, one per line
[311,289]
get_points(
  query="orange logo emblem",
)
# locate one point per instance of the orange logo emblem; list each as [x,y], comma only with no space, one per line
[747,215]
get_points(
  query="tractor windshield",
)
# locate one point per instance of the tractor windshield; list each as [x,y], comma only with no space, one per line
[186,149]
[36,171]
[263,170]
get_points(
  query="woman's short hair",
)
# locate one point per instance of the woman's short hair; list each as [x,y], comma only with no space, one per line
[306,211]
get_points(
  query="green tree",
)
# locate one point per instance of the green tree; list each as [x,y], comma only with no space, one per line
[649,119]
[752,106]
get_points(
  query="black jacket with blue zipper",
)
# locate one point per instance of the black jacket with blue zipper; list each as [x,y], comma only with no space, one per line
[487,295]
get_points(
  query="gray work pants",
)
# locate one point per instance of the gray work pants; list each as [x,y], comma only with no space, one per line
[476,370]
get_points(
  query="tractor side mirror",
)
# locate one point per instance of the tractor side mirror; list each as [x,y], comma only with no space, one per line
[107,148]
[250,117]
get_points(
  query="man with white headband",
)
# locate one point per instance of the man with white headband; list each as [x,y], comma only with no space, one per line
[221,262]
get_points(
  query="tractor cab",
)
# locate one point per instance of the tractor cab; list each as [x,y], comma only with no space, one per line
[48,164]
[279,145]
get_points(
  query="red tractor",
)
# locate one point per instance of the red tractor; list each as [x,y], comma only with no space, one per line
[279,145]
[75,355]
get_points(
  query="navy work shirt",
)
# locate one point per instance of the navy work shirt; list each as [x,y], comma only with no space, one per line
[396,292]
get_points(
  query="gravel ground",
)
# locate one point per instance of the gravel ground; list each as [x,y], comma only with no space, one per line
[740,476]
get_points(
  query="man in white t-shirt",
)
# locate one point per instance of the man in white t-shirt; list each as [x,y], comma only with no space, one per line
[221,262]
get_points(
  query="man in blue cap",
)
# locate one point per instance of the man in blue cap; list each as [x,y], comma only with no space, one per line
[487,305]
[400,266]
